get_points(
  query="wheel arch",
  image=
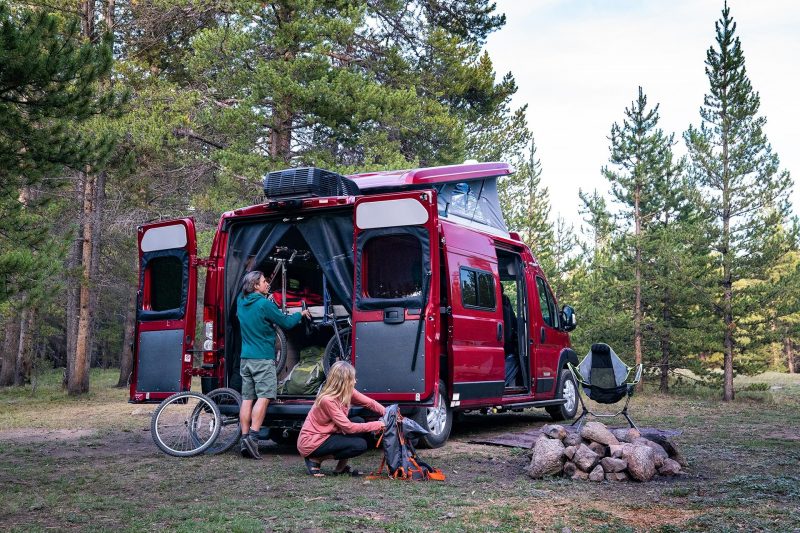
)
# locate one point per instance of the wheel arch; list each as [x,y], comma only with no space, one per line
[568,355]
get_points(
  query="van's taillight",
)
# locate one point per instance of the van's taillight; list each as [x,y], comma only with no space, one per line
[208,343]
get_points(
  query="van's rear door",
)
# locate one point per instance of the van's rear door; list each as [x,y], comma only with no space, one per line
[396,297]
[165,313]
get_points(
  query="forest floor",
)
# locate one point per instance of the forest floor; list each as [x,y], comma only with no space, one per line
[90,464]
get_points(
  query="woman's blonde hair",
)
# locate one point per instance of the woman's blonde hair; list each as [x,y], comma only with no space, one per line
[339,384]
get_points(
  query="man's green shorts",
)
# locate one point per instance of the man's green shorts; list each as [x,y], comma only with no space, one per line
[259,379]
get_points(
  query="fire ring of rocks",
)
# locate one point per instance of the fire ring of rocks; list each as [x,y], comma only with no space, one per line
[598,453]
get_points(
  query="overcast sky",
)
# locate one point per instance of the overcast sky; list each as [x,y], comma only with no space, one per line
[578,64]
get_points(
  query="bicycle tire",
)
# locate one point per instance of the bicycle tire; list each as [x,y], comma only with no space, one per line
[333,353]
[185,424]
[281,347]
[228,401]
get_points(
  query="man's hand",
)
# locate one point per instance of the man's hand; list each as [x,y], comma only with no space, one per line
[306,313]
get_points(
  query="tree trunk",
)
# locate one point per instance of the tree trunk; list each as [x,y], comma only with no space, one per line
[24,356]
[637,306]
[788,350]
[665,339]
[94,267]
[79,375]
[126,359]
[8,370]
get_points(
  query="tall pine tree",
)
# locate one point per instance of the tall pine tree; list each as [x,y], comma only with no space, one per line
[746,191]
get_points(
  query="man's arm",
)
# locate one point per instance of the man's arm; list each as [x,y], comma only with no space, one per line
[273,314]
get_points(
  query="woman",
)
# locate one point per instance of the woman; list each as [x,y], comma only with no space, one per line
[327,432]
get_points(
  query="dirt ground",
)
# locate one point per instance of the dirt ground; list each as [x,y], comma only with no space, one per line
[95,470]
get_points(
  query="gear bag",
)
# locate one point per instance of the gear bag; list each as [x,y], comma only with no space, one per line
[307,376]
[399,456]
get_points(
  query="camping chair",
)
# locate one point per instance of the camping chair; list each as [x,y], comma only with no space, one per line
[604,376]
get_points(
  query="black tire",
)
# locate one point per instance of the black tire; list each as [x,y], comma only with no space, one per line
[333,353]
[185,424]
[438,420]
[281,346]
[568,390]
[276,435]
[228,401]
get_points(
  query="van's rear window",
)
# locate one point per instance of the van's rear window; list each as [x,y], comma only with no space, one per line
[166,283]
[394,267]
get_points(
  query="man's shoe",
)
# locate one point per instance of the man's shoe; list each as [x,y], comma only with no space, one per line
[252,446]
[243,449]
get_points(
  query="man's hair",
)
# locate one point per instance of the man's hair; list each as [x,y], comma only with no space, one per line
[250,281]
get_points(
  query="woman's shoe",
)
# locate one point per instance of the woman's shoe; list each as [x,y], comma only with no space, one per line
[313,468]
[349,471]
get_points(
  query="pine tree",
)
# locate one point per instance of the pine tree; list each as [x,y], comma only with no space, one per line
[746,191]
[641,158]
[47,85]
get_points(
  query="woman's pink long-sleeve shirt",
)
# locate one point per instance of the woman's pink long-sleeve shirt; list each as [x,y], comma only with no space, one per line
[330,417]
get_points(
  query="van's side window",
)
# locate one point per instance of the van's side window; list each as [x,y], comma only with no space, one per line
[477,288]
[547,303]
[394,267]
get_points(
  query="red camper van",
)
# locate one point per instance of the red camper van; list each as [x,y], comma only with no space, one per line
[411,275]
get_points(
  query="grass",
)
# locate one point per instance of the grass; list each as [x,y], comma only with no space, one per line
[89,464]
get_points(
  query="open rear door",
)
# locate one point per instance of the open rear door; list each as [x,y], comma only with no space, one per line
[165,313]
[396,296]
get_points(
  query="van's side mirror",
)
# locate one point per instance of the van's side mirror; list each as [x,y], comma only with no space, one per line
[568,318]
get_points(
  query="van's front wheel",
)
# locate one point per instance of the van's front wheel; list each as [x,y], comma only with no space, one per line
[568,390]
[437,420]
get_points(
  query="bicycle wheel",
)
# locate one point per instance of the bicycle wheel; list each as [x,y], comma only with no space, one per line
[228,402]
[333,353]
[185,424]
[281,348]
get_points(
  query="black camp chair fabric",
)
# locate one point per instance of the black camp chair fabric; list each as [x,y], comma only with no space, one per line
[603,377]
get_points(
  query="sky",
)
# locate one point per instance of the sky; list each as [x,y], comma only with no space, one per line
[579,63]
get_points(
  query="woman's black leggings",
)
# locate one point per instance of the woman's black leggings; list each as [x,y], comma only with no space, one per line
[341,447]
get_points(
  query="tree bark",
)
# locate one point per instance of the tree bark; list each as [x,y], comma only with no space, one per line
[637,306]
[665,339]
[126,359]
[79,375]
[24,356]
[788,350]
[8,369]
[94,267]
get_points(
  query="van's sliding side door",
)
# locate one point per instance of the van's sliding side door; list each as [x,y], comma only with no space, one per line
[396,296]
[165,310]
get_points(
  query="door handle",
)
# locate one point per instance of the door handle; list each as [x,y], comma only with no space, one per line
[499,331]
[544,334]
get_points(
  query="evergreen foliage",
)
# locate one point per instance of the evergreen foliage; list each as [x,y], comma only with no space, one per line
[746,193]
[48,84]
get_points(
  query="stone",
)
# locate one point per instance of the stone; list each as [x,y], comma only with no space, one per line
[547,459]
[670,468]
[669,447]
[585,458]
[616,476]
[598,432]
[569,452]
[570,468]
[580,475]
[597,474]
[613,465]
[615,450]
[641,462]
[598,448]
[660,452]
[572,439]
[626,434]
[554,431]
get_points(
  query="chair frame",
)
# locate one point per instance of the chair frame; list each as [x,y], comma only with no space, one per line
[586,411]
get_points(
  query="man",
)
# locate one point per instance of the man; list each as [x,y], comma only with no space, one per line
[258,317]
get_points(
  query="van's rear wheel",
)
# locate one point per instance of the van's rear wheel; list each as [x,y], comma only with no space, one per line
[567,390]
[437,420]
